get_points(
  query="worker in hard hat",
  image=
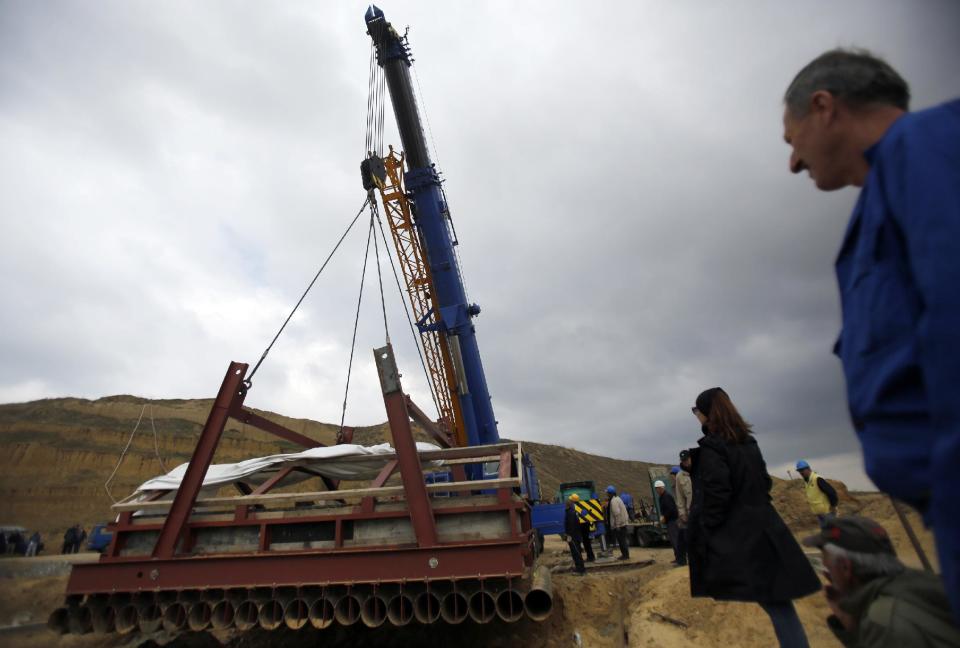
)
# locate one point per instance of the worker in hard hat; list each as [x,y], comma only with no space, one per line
[821,496]
[670,518]
[572,534]
[586,528]
[617,519]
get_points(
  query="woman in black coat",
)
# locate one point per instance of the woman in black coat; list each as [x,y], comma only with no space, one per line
[739,548]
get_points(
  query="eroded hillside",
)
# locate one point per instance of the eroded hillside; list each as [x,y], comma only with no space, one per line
[56,454]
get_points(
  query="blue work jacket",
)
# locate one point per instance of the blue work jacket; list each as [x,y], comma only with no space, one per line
[899,276]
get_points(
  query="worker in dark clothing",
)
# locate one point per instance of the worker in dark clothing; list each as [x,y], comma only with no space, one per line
[69,539]
[670,517]
[821,496]
[19,543]
[585,529]
[571,528]
[35,544]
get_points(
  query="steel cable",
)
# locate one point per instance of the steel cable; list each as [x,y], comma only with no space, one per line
[356,322]
[249,381]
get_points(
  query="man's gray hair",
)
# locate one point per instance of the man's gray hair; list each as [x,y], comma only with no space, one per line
[854,76]
[867,566]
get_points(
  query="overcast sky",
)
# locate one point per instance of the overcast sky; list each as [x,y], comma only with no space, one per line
[172,174]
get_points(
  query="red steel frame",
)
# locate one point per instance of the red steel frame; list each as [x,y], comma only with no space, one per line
[171,565]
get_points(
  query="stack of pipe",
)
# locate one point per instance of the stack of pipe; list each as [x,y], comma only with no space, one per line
[373,605]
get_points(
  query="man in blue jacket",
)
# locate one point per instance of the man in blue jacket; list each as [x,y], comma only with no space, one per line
[846,118]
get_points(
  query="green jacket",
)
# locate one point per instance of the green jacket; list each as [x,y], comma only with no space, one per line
[909,609]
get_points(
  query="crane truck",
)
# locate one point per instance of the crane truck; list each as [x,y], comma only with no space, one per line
[399,548]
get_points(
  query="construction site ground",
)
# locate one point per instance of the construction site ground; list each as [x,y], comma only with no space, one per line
[635,603]
[55,455]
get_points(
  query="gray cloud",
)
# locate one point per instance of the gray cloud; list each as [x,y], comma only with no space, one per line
[173,174]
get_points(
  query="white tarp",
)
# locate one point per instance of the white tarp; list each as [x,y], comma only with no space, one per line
[327,461]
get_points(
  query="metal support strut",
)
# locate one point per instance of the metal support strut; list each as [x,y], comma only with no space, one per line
[411,472]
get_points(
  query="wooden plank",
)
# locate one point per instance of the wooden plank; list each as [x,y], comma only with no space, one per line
[456,462]
[458,453]
[319,496]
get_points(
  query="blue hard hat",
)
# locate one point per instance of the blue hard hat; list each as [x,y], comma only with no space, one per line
[611,490]
[675,470]
[802,464]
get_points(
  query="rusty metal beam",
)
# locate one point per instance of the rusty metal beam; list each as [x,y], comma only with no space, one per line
[261,423]
[366,504]
[444,438]
[411,471]
[241,511]
[506,459]
[347,566]
[265,424]
[231,395]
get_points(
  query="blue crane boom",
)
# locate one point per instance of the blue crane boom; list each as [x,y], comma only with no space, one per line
[452,315]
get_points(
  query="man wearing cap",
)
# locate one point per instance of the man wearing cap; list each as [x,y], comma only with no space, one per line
[876,601]
[572,533]
[670,517]
[821,496]
[617,519]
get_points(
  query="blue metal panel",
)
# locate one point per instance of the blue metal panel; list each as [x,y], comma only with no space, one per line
[548,518]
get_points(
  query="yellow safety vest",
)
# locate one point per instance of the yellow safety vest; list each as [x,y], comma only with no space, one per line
[819,503]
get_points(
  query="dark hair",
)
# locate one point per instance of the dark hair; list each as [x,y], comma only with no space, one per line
[854,76]
[723,419]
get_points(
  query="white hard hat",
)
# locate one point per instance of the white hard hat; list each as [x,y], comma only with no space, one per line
[659,484]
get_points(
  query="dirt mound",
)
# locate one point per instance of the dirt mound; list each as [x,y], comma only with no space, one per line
[666,616]
[790,500]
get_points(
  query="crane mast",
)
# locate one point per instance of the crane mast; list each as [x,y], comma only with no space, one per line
[436,288]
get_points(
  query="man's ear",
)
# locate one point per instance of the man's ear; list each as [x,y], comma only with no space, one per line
[823,104]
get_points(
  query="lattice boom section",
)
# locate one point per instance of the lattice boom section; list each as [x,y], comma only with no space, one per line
[416,275]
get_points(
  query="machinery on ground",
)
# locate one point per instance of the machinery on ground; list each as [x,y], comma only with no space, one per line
[641,532]
[548,518]
[451,544]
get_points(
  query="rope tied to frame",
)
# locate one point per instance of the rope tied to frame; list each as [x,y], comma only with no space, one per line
[126,448]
